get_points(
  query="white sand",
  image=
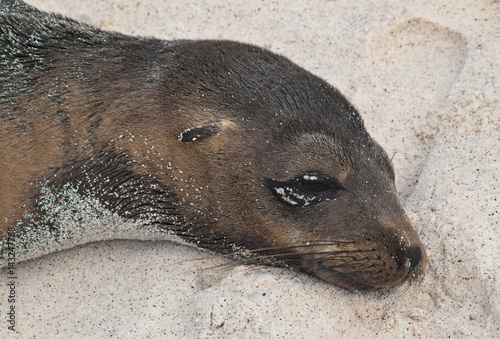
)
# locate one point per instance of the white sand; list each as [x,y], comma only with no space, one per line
[424,75]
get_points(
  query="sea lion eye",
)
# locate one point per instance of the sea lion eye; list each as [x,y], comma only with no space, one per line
[305,190]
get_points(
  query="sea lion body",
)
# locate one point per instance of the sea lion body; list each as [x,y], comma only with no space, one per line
[226,144]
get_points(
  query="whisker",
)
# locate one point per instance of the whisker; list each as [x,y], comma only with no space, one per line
[337,261]
[282,248]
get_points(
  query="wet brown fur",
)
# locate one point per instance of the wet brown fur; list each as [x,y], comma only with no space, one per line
[103,112]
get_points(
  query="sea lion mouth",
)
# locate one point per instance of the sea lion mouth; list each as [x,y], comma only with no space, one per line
[353,265]
[358,268]
[347,264]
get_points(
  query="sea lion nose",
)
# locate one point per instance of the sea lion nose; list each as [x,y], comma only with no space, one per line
[414,255]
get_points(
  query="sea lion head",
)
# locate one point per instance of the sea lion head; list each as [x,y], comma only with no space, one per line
[291,174]
[241,149]
[226,144]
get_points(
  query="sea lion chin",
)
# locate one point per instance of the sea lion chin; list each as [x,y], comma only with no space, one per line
[225,144]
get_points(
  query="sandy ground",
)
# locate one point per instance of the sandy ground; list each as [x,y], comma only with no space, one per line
[424,75]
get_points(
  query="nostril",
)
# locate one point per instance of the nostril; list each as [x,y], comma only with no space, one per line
[415,256]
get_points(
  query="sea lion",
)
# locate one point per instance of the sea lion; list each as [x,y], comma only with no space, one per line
[225,144]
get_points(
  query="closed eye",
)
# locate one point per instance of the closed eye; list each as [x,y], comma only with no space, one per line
[313,187]
[305,190]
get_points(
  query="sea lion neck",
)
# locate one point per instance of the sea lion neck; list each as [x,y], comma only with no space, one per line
[59,57]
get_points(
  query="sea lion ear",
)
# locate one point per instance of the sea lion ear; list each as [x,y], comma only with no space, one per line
[198,133]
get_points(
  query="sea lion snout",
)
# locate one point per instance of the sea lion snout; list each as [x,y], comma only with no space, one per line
[366,263]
